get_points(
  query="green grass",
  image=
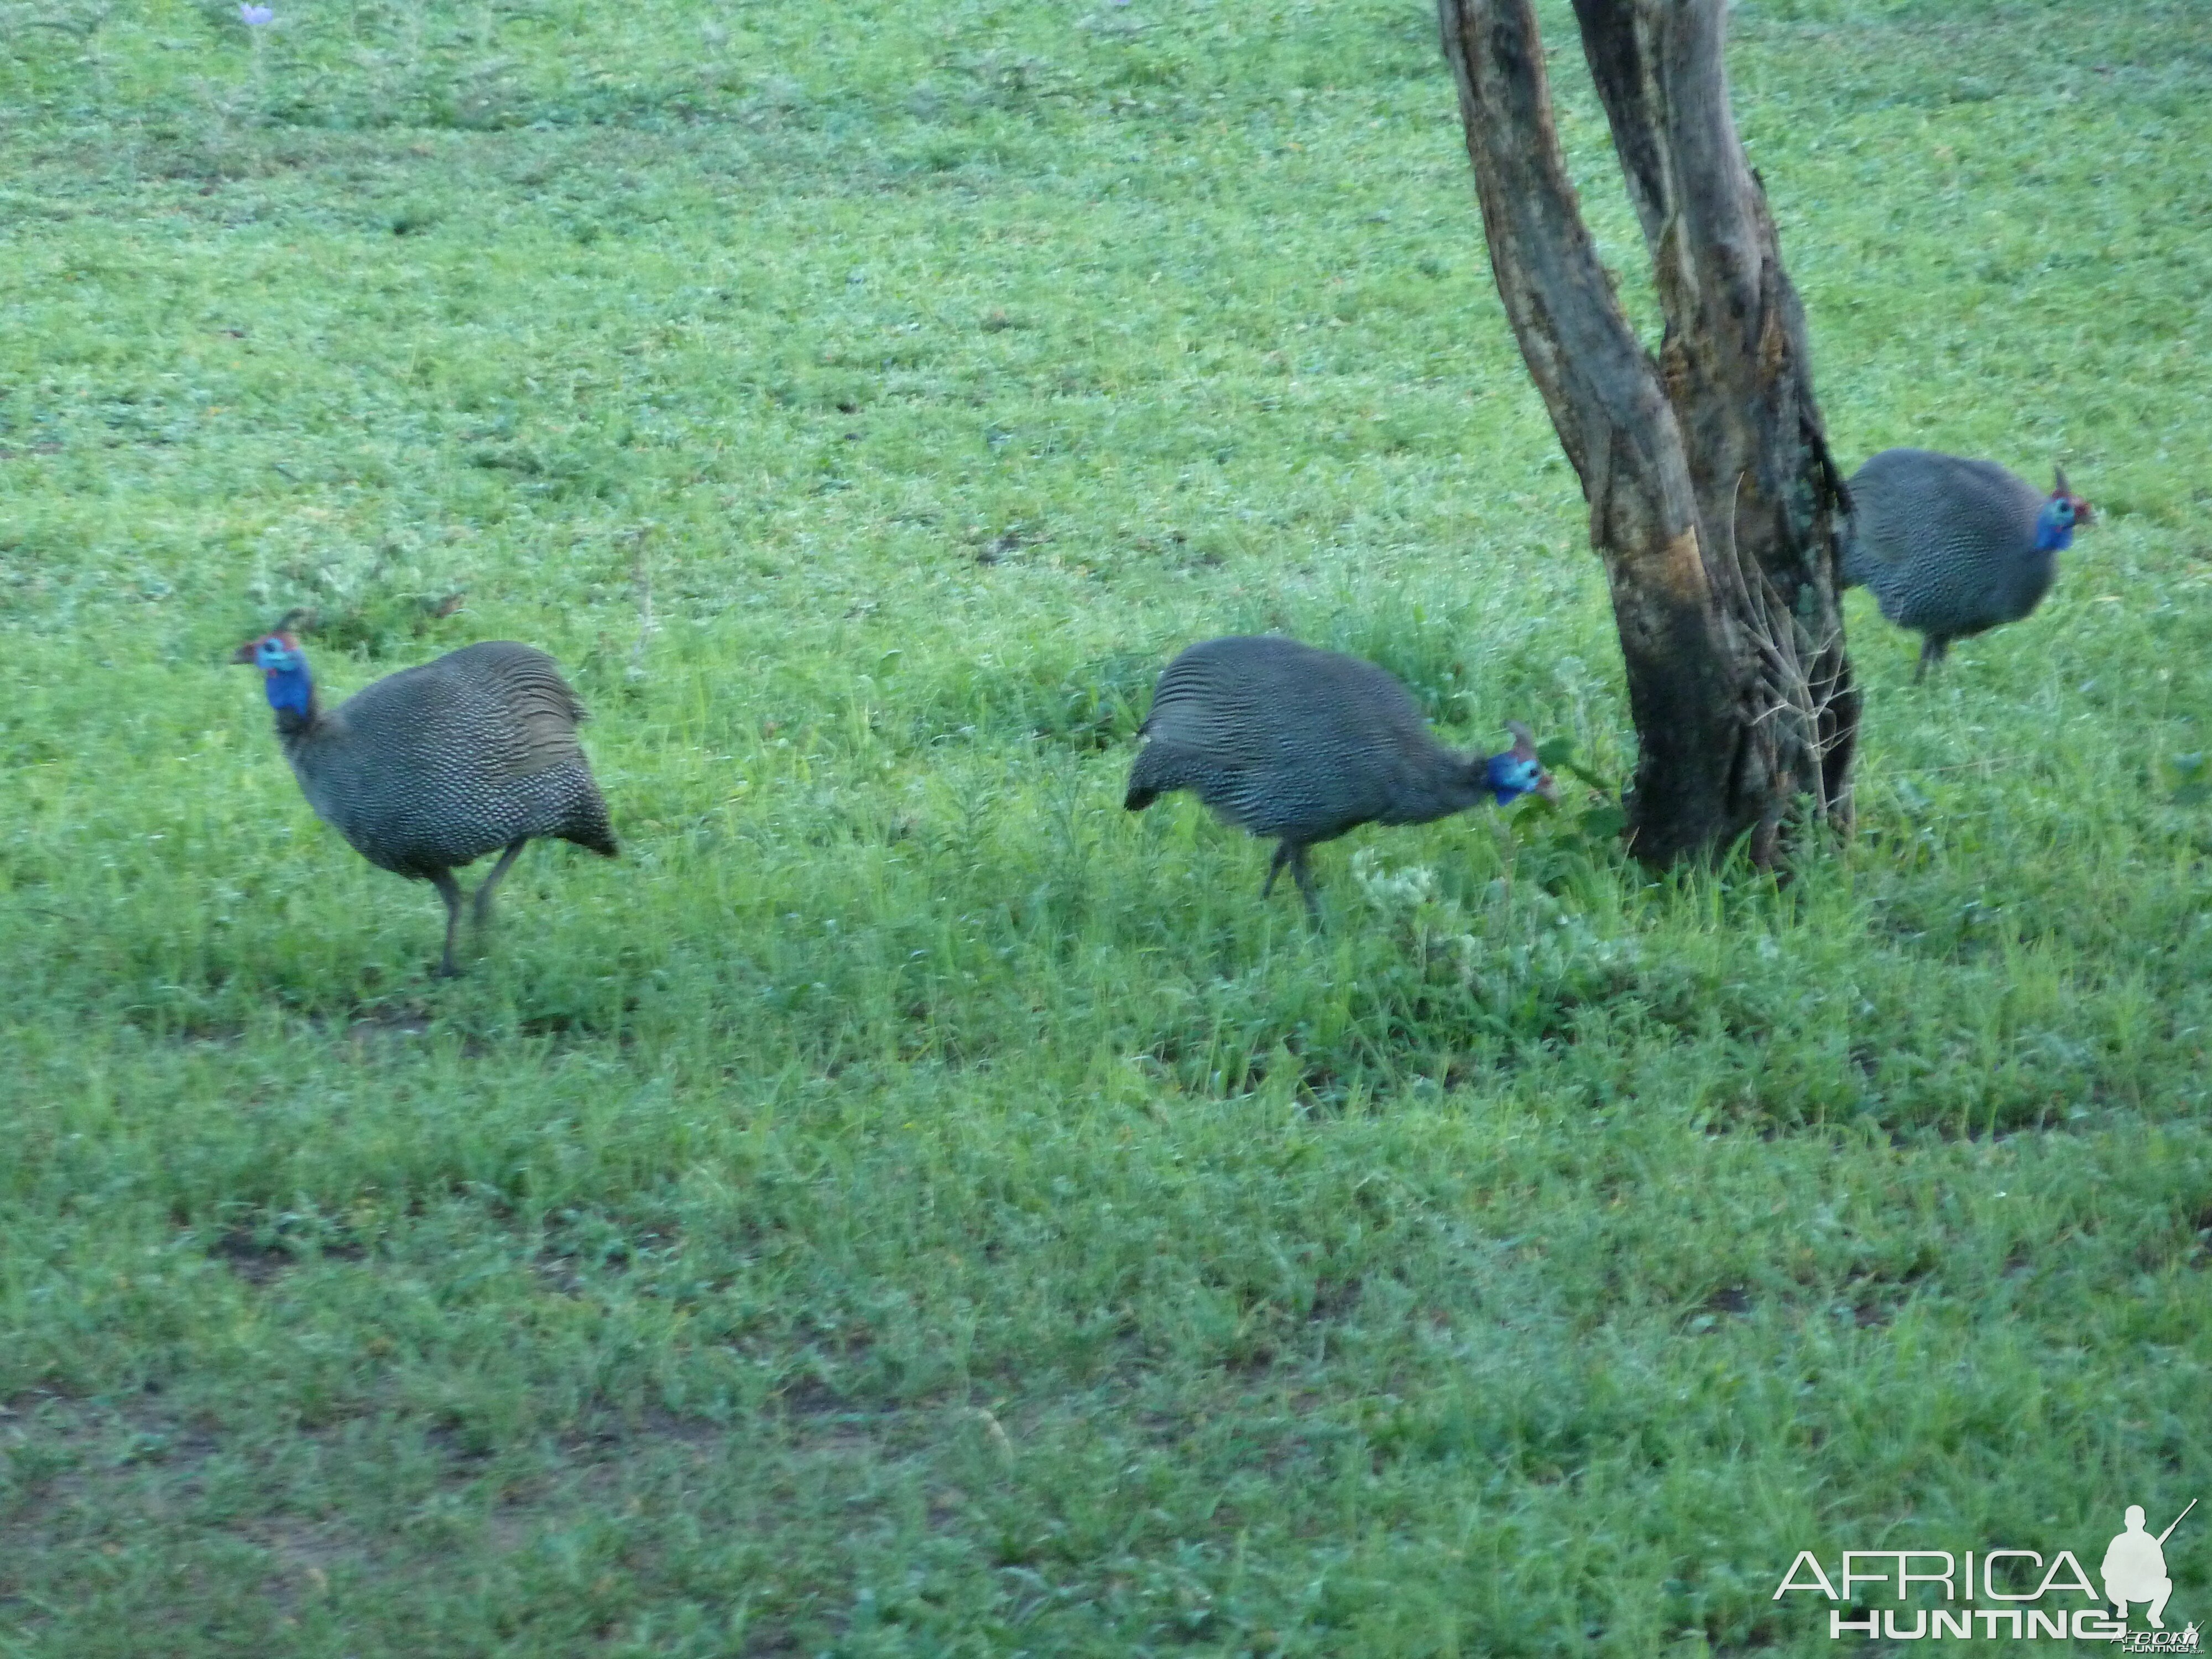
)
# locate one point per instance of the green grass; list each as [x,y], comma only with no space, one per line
[908,1205]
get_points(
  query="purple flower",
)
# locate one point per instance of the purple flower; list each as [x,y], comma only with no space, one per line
[255,17]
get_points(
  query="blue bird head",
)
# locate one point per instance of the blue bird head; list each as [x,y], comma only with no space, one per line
[1517,772]
[284,670]
[2062,512]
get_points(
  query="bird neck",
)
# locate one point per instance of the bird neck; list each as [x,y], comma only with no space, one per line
[1470,783]
[2052,537]
[291,694]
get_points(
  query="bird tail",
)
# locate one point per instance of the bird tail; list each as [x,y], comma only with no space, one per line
[589,828]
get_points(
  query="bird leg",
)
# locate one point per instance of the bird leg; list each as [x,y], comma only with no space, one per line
[1304,876]
[1294,854]
[1932,649]
[450,891]
[482,910]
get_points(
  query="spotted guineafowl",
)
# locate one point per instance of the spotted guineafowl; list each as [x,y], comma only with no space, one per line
[1286,741]
[1950,547]
[434,767]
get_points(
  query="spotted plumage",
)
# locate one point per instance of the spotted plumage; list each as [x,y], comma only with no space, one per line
[1951,547]
[1299,744]
[432,768]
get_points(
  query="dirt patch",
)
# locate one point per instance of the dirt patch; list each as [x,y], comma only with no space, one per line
[260,1260]
[392,1026]
[255,1262]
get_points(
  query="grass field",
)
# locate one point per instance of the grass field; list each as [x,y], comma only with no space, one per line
[909,1206]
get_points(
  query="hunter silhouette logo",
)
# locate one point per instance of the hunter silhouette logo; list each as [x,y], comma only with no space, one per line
[2134,1567]
[2015,1593]
[2135,1570]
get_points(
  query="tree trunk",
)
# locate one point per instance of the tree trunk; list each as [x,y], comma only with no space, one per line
[1712,497]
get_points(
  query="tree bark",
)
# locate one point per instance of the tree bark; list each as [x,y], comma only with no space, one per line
[1712,497]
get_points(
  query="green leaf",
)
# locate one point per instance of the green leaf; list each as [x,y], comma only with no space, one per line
[1555,751]
[1603,822]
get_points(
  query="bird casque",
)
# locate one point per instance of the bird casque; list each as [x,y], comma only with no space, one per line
[432,768]
[1951,547]
[1288,741]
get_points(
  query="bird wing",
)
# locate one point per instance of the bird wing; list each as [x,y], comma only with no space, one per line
[1903,498]
[497,710]
[541,712]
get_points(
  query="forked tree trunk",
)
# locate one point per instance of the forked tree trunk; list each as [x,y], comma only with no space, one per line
[1712,497]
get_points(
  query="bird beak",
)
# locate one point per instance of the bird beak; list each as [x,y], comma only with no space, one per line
[245,652]
[2083,513]
[1548,787]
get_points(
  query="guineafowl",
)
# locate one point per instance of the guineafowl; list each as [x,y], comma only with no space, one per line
[1285,740]
[1950,547]
[434,767]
